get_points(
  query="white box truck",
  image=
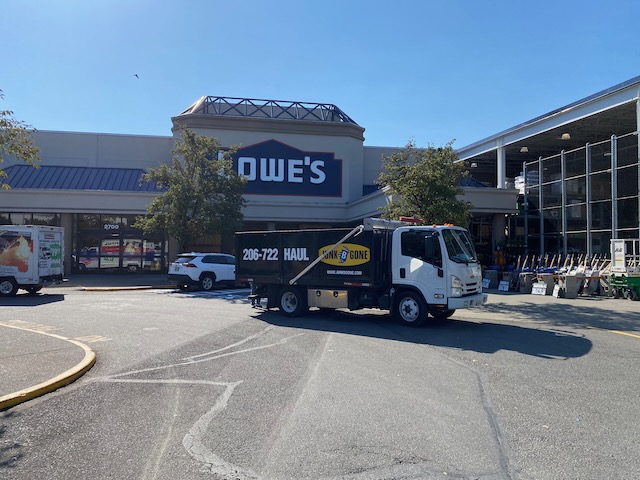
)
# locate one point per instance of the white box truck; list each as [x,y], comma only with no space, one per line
[30,257]
[413,271]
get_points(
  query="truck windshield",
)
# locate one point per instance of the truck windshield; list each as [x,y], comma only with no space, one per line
[459,246]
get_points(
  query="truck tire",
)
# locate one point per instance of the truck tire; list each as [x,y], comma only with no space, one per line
[630,294]
[8,287]
[410,309]
[207,281]
[292,301]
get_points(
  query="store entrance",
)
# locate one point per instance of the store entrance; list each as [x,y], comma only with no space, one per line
[118,249]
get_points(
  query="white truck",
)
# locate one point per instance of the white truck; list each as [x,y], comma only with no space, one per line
[413,271]
[30,257]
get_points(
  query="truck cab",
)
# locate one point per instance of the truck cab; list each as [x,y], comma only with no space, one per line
[440,264]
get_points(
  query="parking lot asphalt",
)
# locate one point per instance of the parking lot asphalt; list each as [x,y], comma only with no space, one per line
[34,361]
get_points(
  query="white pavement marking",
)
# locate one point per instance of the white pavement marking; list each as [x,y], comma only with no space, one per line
[192,362]
[249,338]
[93,339]
[194,440]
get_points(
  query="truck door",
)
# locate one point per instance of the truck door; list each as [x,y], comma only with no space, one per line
[419,264]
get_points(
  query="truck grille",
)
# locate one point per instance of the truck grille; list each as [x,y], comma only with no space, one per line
[471,288]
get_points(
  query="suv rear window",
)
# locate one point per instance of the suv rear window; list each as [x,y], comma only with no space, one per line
[184,259]
[219,259]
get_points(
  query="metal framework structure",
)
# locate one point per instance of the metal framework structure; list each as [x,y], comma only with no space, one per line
[275,109]
[580,179]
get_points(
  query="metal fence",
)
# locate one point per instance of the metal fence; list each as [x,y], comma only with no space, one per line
[578,200]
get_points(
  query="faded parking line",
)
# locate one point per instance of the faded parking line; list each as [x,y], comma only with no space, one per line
[624,333]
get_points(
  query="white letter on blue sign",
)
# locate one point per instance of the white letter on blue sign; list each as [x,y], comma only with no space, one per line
[242,162]
[276,171]
[315,169]
[295,171]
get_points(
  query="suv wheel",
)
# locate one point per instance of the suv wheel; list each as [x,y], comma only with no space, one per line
[207,281]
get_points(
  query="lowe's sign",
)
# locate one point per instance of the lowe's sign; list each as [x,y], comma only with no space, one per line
[274,168]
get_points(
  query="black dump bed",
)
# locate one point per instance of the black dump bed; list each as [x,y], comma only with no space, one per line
[277,257]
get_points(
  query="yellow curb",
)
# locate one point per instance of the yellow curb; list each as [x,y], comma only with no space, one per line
[65,378]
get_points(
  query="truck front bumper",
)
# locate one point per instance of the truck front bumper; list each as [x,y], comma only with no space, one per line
[468,302]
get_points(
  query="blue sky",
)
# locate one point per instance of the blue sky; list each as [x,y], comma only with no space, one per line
[431,70]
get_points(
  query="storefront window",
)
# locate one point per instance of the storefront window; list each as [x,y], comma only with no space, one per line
[52,219]
[87,253]
[20,218]
[88,222]
[108,243]
[128,220]
[131,254]
[111,220]
[153,255]
[4,219]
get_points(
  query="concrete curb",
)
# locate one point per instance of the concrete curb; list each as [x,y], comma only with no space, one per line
[65,378]
[114,289]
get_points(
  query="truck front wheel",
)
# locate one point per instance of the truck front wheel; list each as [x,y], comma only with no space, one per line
[292,302]
[8,287]
[410,309]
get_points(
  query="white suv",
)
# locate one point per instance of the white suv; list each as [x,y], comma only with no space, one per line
[202,269]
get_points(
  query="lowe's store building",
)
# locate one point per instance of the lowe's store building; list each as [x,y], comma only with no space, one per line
[565,182]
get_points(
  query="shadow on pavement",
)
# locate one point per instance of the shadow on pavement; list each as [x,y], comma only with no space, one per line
[593,315]
[28,300]
[459,334]
[10,451]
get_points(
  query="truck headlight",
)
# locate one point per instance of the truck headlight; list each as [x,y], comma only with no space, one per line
[456,286]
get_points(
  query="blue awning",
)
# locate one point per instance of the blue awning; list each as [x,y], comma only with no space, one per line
[78,178]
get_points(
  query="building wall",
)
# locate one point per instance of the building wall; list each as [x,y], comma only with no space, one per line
[101,150]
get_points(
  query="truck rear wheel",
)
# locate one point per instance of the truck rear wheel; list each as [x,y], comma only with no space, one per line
[292,302]
[410,309]
[8,287]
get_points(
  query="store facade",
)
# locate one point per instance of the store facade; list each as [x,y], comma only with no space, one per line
[307,166]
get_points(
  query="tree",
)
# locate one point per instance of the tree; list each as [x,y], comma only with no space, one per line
[424,183]
[15,140]
[203,192]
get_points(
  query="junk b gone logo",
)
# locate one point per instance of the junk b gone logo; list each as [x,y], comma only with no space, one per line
[347,255]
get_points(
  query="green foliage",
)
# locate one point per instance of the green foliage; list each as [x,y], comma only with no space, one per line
[424,182]
[203,191]
[15,140]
